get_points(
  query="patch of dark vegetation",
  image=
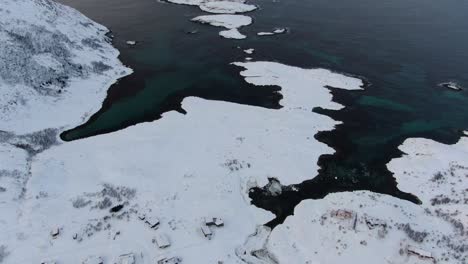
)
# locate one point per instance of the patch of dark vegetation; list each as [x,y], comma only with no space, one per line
[100,67]
[3,253]
[80,202]
[118,192]
[442,199]
[105,203]
[24,67]
[417,236]
[457,225]
[93,43]
[437,177]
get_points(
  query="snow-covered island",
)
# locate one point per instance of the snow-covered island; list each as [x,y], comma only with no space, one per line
[231,22]
[225,10]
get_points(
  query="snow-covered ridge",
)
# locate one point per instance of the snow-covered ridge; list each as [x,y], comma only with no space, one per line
[55,65]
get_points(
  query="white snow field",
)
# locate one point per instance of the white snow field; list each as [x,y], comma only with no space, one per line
[364,227]
[231,22]
[180,169]
[225,18]
[226,7]
[55,66]
[145,193]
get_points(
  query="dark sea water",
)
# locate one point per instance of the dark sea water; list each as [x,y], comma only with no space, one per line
[404,48]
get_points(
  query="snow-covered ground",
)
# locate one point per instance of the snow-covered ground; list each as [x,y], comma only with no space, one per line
[55,66]
[231,22]
[149,189]
[180,179]
[224,9]
[364,227]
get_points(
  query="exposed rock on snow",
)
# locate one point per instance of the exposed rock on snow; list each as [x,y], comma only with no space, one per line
[231,22]
[389,230]
[254,250]
[53,60]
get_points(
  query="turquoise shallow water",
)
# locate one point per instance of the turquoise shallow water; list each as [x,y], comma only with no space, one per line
[404,48]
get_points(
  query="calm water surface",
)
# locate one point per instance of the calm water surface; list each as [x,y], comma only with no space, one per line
[404,48]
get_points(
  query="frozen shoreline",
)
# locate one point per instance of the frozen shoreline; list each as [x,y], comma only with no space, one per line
[68,201]
[226,150]
[383,228]
[54,58]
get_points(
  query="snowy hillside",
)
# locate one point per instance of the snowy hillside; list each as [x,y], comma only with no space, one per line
[55,65]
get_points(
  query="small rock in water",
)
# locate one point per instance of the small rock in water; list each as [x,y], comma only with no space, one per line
[274,187]
[131,42]
[451,85]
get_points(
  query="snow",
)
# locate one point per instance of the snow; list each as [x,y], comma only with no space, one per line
[386,229]
[451,85]
[232,34]
[226,7]
[249,51]
[275,32]
[227,21]
[225,18]
[231,148]
[52,57]
[187,2]
[231,22]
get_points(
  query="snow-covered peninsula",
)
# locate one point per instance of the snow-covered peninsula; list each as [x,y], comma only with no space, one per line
[55,66]
[365,227]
